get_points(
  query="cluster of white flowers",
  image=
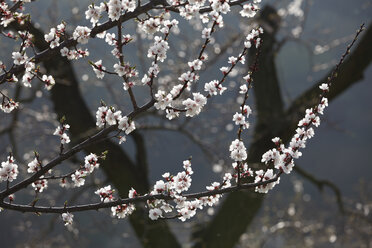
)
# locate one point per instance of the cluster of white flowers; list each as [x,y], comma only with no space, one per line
[61,132]
[8,16]
[40,185]
[173,186]
[81,34]
[123,210]
[105,193]
[93,13]
[34,166]
[78,177]
[125,70]
[253,38]
[158,49]
[238,150]
[74,53]
[49,81]
[283,157]
[54,35]
[8,105]
[249,10]
[105,115]
[20,58]
[9,170]
[241,118]
[163,99]
[29,74]
[194,106]
[116,8]
[214,88]
[262,176]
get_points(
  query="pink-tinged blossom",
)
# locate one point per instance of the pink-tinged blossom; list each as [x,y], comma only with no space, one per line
[220,6]
[121,211]
[78,178]
[206,33]
[125,70]
[9,170]
[49,81]
[238,150]
[105,193]
[189,11]
[214,186]
[249,10]
[67,218]
[132,193]
[159,187]
[163,100]
[61,132]
[19,58]
[101,116]
[224,70]
[171,114]
[262,176]
[40,185]
[33,166]
[159,49]
[99,69]
[81,34]
[243,89]
[129,5]
[181,182]
[93,14]
[187,167]
[91,162]
[111,39]
[126,125]
[214,87]
[27,78]
[8,105]
[195,65]
[151,25]
[155,213]
[112,116]
[239,119]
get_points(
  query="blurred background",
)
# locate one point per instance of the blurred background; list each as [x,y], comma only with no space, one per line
[325,202]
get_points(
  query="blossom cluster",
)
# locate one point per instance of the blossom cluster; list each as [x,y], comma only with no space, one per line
[61,132]
[9,170]
[90,163]
[174,186]
[108,116]
[119,211]
[8,16]
[8,105]
[283,157]
[117,7]
[55,34]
